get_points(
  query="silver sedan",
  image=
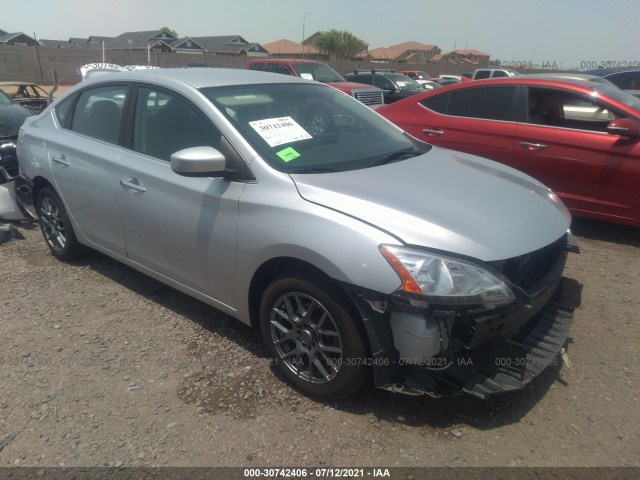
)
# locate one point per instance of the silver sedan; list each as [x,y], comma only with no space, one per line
[357,250]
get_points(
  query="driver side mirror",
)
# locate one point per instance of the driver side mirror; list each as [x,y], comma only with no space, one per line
[199,162]
[624,127]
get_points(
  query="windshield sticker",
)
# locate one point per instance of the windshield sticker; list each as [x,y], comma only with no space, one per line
[402,84]
[288,154]
[278,131]
[306,76]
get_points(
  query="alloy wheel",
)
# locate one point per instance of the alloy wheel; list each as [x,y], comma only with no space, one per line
[306,338]
[52,224]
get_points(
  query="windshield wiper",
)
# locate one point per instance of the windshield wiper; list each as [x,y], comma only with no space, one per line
[398,155]
[314,170]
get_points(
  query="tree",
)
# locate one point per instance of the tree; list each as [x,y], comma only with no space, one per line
[340,44]
[172,32]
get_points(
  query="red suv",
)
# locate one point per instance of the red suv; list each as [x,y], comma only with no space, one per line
[580,138]
[314,70]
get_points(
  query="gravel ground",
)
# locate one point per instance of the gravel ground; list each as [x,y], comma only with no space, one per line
[100,365]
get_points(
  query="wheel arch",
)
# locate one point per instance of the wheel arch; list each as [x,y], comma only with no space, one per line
[275,267]
[38,183]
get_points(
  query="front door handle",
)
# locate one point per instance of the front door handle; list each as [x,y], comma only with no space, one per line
[133,184]
[432,132]
[533,146]
[61,160]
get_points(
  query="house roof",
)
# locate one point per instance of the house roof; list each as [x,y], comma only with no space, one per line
[400,51]
[465,53]
[54,43]
[7,37]
[288,47]
[227,44]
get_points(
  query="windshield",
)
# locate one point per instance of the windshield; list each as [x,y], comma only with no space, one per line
[310,128]
[403,82]
[317,71]
[619,95]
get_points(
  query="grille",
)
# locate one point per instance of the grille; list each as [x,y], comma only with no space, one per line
[528,270]
[368,97]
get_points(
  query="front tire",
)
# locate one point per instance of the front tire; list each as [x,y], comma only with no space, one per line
[56,227]
[308,330]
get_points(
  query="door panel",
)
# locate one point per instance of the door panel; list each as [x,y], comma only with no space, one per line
[591,171]
[181,227]
[486,138]
[85,162]
[184,228]
[595,173]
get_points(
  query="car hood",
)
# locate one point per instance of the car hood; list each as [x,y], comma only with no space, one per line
[11,119]
[448,201]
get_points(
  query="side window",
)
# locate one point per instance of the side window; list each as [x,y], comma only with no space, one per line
[500,73]
[482,74]
[98,112]
[558,108]
[382,82]
[626,80]
[491,103]
[63,109]
[439,103]
[165,123]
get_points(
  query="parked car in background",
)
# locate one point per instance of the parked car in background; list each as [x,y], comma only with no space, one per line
[395,86]
[447,79]
[11,118]
[581,138]
[627,79]
[482,73]
[29,95]
[321,72]
[355,251]
[422,78]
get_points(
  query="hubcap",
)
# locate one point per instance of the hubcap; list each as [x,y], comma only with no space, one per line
[306,337]
[52,224]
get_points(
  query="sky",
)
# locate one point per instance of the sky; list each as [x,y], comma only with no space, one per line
[569,33]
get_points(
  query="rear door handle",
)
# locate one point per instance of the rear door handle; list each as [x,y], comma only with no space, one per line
[133,184]
[533,146]
[61,160]
[432,132]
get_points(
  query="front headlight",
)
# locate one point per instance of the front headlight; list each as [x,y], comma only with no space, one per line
[446,280]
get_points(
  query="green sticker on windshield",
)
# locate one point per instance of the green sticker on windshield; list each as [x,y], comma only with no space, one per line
[288,154]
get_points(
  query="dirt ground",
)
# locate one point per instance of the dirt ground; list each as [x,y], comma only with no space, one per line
[102,366]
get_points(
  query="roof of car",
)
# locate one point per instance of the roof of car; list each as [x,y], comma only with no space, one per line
[16,84]
[601,72]
[198,77]
[570,76]
[535,80]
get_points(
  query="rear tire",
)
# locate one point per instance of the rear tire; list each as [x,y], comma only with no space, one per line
[56,227]
[310,334]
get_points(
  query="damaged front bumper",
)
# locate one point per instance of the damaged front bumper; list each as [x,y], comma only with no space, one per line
[440,351]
